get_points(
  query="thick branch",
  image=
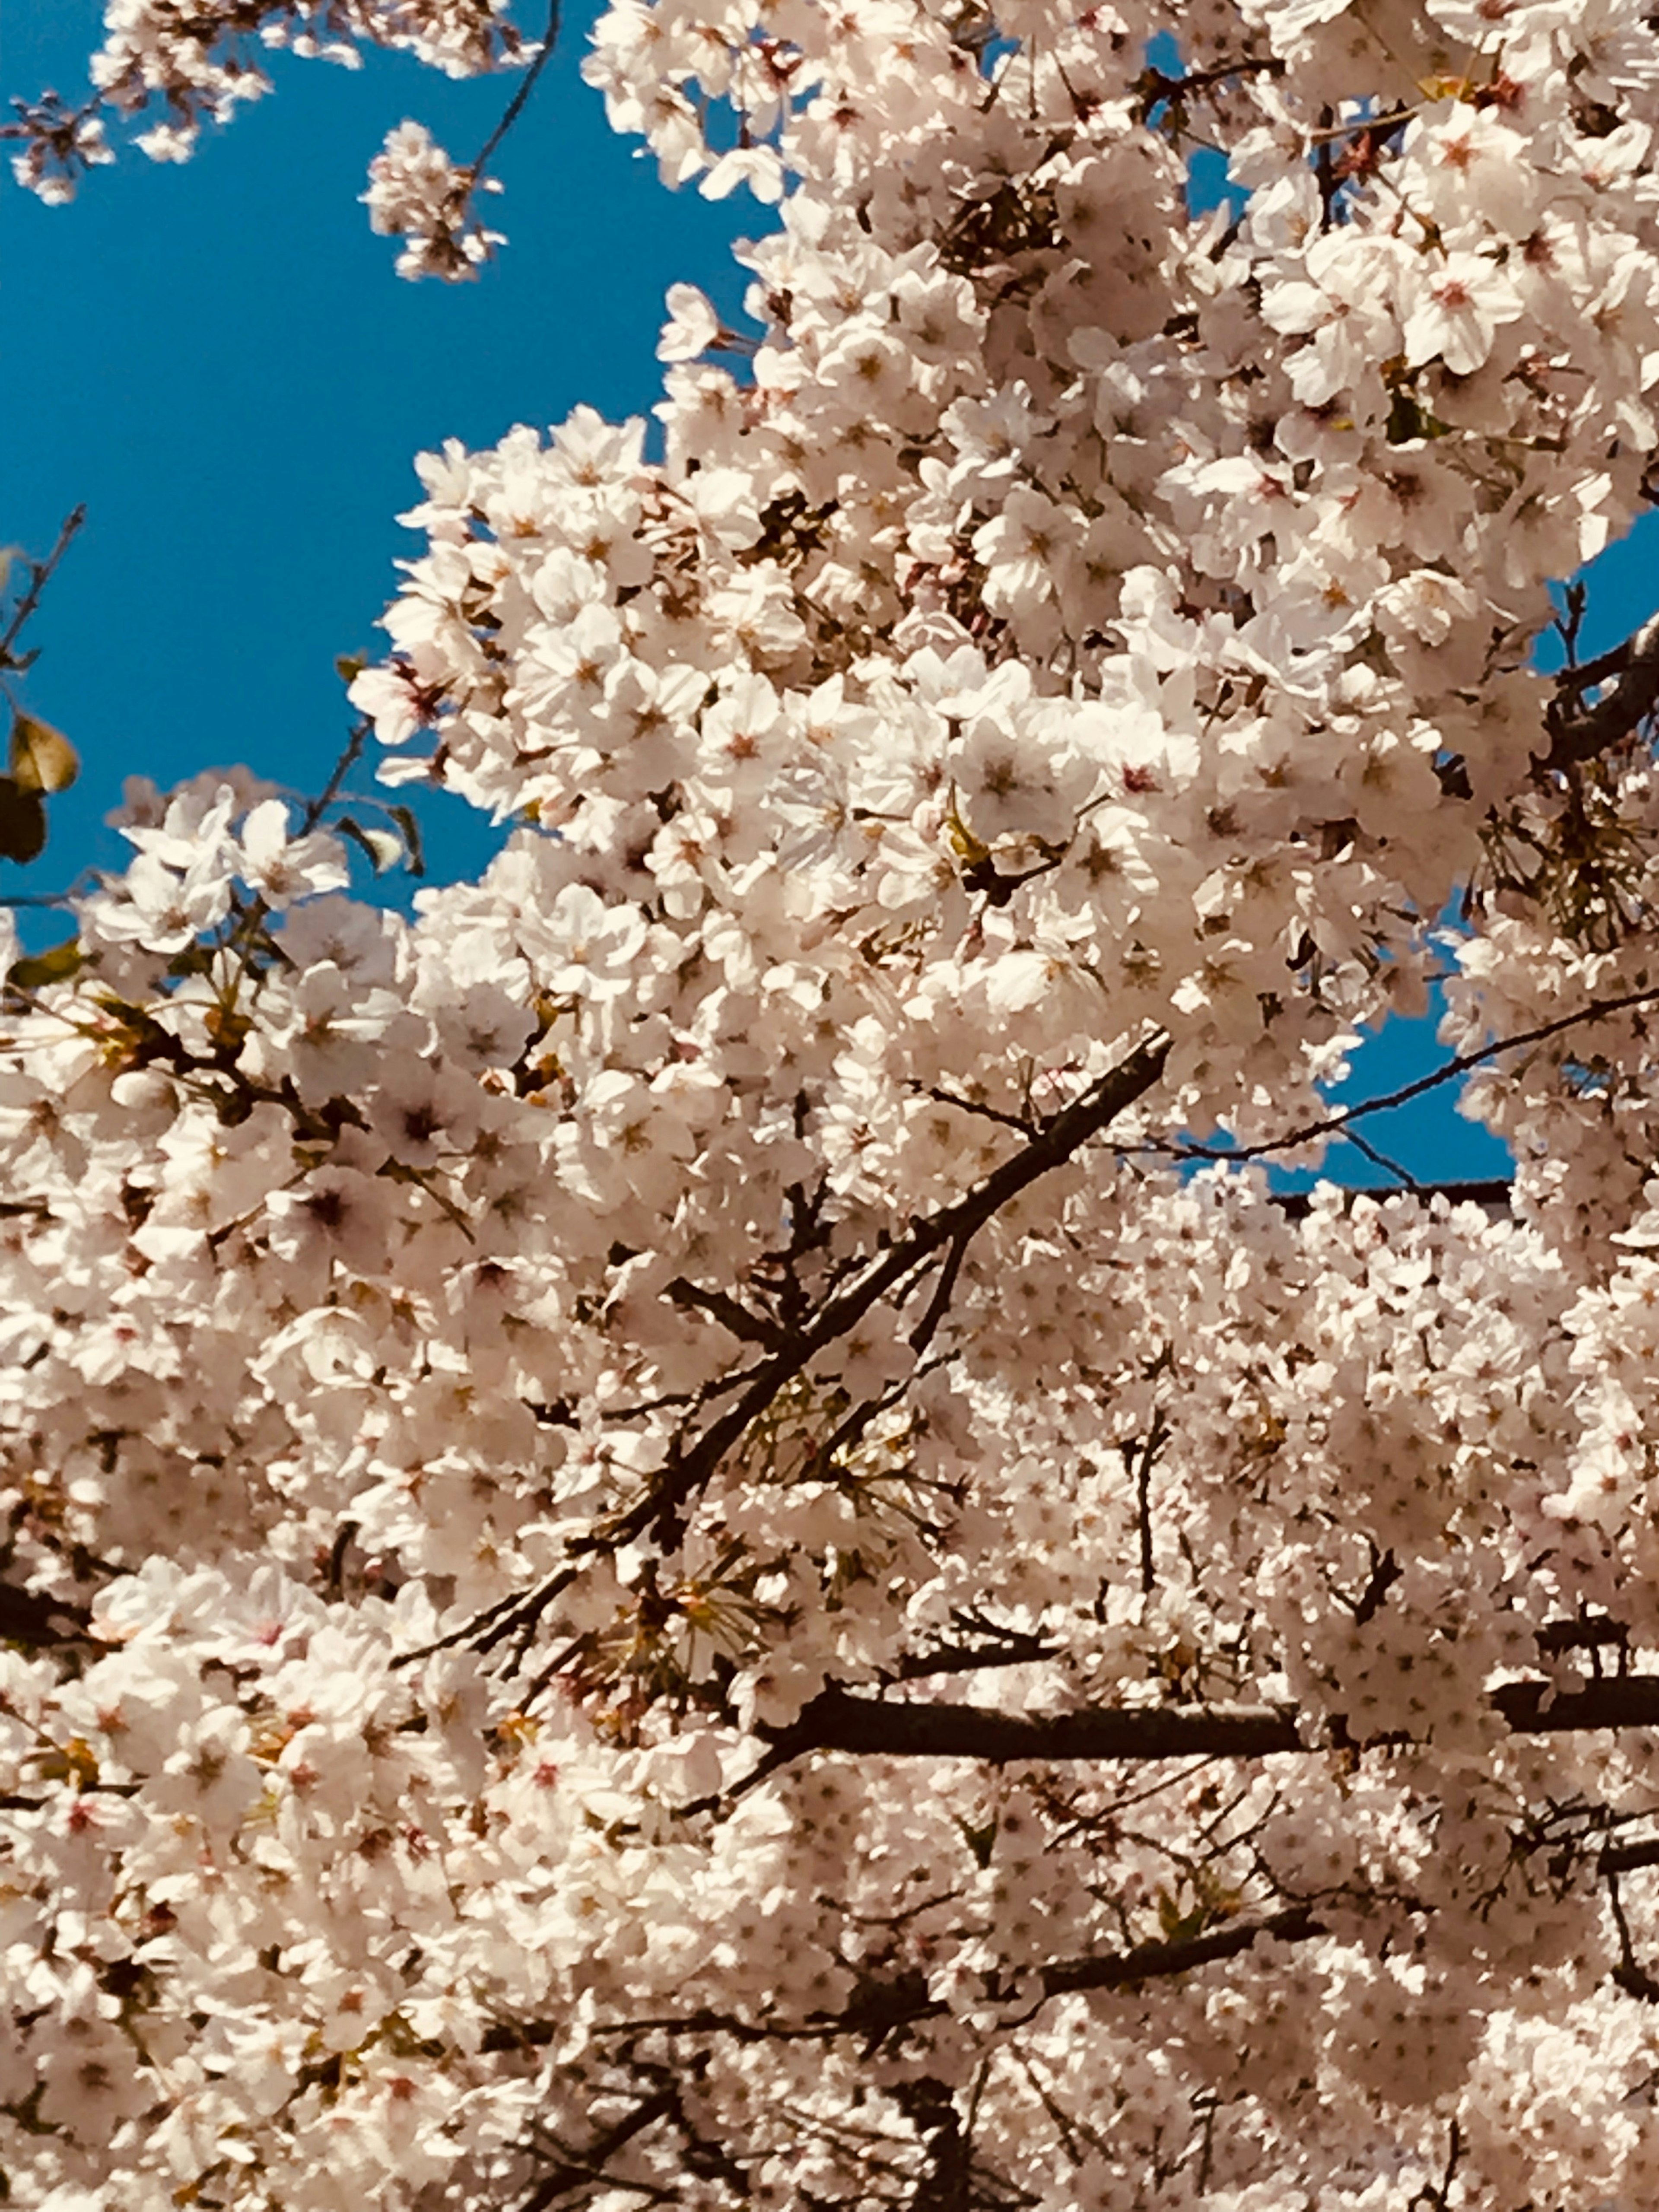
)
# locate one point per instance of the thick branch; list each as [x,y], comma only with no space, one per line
[1578,732]
[842,1721]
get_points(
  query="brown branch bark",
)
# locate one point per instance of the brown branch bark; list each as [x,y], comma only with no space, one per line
[1578,732]
[1336,1124]
[588,2167]
[1493,1192]
[40,574]
[31,1619]
[1150,1962]
[843,1720]
[882,2007]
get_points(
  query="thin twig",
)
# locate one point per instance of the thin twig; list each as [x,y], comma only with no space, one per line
[1336,1124]
[515,107]
[41,574]
[1382,1160]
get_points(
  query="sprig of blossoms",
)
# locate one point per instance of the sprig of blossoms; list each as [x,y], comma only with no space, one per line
[415,193]
[174,69]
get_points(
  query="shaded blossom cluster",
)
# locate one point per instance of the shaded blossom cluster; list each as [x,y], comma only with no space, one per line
[526,1426]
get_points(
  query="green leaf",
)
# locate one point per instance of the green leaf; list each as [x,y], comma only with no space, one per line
[56,965]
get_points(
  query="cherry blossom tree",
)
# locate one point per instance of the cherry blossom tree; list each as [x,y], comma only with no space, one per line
[692,1529]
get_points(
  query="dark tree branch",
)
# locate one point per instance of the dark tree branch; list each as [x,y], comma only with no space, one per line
[589,2166]
[916,1667]
[662,1511]
[1386,1571]
[1578,732]
[881,2007]
[515,107]
[928,1328]
[1336,1124]
[1157,1436]
[1487,1190]
[750,1328]
[843,1720]
[1152,1962]
[28,1618]
[40,574]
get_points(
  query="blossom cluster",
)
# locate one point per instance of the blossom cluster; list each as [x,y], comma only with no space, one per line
[579,1465]
[173,68]
[416,193]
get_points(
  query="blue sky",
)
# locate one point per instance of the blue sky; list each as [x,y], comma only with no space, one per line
[218,360]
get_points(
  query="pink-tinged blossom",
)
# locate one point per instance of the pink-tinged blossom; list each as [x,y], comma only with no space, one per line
[1455,306]
[282,867]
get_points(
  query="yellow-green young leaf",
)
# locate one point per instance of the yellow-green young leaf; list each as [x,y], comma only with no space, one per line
[969,847]
[56,965]
[383,849]
[42,758]
[22,822]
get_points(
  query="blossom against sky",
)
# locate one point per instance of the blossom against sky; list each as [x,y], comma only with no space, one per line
[219,359]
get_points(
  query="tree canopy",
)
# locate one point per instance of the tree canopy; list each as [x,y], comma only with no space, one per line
[692,1527]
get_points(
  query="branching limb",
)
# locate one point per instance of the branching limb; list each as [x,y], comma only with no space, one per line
[587,2166]
[40,574]
[662,1510]
[882,2007]
[1578,731]
[750,1328]
[1336,1124]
